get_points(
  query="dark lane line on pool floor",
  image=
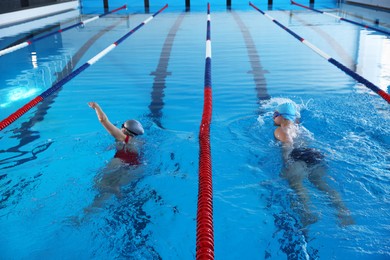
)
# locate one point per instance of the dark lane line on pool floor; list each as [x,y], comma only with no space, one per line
[257,69]
[292,243]
[160,74]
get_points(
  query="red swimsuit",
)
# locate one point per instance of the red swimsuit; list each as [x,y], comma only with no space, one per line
[127,156]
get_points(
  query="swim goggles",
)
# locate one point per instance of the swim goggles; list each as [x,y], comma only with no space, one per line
[276,114]
[131,133]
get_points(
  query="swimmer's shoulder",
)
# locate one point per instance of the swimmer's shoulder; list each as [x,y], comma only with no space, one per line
[281,135]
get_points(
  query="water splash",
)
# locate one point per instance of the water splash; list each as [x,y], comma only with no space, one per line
[17,94]
[271,104]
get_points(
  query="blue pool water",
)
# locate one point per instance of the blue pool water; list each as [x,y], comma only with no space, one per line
[52,157]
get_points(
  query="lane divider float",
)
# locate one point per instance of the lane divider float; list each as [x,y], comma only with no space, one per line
[26,43]
[349,72]
[342,19]
[7,121]
[204,227]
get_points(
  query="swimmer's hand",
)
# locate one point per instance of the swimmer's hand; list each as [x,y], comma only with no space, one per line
[99,112]
[93,105]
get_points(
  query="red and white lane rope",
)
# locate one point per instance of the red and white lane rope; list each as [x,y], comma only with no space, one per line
[349,72]
[26,43]
[204,227]
[7,121]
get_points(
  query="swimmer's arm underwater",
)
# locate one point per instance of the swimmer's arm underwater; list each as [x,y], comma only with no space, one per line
[113,130]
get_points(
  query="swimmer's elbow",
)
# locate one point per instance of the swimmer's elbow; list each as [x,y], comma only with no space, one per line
[102,119]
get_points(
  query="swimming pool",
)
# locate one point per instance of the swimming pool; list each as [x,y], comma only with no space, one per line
[51,157]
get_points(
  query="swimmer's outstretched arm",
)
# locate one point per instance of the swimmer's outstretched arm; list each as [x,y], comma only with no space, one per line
[113,130]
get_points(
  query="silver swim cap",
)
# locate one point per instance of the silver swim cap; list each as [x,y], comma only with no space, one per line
[133,127]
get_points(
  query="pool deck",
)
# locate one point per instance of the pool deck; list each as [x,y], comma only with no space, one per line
[31,14]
